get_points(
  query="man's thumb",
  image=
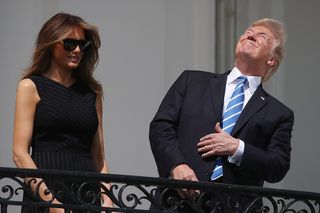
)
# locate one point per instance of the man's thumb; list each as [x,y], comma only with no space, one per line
[218,128]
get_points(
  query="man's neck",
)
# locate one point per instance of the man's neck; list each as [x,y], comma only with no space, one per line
[251,69]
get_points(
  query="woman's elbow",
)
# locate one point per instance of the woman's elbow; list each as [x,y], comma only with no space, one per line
[19,157]
[16,159]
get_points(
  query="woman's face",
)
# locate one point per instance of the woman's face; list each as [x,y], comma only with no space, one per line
[68,53]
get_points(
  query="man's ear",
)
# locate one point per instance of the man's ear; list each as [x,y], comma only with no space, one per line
[271,62]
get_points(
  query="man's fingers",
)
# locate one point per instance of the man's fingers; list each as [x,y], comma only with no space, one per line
[206,137]
[208,154]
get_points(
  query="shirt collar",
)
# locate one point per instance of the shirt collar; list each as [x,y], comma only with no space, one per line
[254,81]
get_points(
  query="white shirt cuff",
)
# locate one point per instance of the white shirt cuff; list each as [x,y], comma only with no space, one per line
[237,156]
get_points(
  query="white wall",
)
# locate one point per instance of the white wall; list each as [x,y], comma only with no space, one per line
[19,22]
[301,89]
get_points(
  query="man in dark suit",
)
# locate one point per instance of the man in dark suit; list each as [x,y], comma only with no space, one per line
[186,134]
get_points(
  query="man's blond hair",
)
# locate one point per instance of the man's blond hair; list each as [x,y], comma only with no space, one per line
[278,31]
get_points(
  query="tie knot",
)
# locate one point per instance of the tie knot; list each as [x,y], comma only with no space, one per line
[242,80]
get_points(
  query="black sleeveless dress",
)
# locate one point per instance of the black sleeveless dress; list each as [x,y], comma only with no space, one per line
[64,126]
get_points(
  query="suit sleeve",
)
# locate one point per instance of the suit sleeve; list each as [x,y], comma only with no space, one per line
[273,163]
[164,127]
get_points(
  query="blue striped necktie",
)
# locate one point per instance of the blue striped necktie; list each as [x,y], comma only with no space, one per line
[229,119]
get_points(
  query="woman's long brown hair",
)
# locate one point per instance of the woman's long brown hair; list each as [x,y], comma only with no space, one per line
[53,31]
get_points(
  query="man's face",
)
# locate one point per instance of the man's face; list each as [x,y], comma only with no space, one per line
[256,43]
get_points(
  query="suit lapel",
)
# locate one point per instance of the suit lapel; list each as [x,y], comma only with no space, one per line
[256,102]
[218,86]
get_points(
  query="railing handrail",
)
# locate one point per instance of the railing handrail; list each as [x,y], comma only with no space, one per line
[160,182]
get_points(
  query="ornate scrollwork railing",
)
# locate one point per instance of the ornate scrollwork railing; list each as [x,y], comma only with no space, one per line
[82,192]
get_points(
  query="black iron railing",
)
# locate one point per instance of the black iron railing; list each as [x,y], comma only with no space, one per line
[136,194]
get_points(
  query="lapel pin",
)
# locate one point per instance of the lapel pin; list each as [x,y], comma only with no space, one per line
[262,98]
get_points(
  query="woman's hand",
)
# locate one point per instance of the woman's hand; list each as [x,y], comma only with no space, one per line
[57,210]
[106,202]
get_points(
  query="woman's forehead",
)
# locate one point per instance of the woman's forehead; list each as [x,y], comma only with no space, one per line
[76,32]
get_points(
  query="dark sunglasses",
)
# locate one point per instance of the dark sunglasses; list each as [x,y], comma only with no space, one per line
[70,44]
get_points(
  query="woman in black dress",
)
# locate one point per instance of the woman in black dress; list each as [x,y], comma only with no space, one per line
[58,115]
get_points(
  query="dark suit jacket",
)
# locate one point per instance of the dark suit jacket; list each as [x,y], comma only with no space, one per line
[190,110]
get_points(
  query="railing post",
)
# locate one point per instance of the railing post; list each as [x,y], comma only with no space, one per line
[4,208]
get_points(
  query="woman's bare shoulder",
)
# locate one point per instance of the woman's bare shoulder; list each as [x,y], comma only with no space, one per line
[27,89]
[26,84]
